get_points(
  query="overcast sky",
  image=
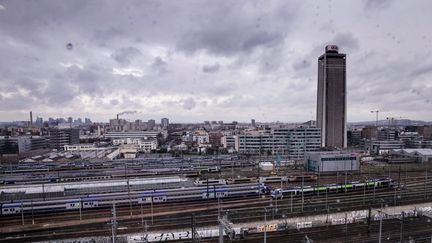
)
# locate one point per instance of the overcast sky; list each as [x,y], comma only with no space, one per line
[211,60]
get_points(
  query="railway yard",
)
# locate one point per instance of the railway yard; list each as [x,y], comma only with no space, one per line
[192,199]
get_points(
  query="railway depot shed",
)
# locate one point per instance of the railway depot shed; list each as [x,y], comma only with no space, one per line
[423,155]
[331,161]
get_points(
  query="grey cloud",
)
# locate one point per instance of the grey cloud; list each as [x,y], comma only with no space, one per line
[59,92]
[211,68]
[258,49]
[227,41]
[114,102]
[421,70]
[17,102]
[346,40]
[301,64]
[188,104]
[262,38]
[159,65]
[124,56]
[377,4]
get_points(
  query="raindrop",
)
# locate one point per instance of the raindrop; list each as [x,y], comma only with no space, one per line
[69,46]
[393,37]
[427,101]
[377,25]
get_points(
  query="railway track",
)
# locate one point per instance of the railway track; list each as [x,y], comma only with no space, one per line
[180,217]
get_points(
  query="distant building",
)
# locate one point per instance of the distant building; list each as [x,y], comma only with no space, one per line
[253,123]
[354,137]
[415,155]
[254,143]
[8,145]
[80,147]
[382,147]
[151,124]
[369,132]
[118,125]
[28,143]
[331,101]
[132,134]
[39,122]
[144,145]
[331,161]
[387,134]
[58,138]
[293,142]
[165,123]
[215,139]
[425,131]
[228,140]
[303,140]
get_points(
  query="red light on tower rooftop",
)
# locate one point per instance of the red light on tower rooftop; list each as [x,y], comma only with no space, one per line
[332,48]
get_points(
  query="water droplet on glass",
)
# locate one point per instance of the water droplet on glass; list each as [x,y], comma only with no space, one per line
[69,46]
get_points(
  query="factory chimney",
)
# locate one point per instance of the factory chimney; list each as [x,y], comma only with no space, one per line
[31,119]
[117,117]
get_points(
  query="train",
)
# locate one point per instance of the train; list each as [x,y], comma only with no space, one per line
[279,193]
[135,197]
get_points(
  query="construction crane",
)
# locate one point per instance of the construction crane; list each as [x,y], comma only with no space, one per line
[391,120]
[376,113]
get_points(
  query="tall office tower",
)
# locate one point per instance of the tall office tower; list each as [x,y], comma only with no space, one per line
[164,122]
[331,103]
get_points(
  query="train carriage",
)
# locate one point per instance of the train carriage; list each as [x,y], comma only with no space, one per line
[331,188]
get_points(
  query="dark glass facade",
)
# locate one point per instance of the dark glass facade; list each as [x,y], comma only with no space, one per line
[331,102]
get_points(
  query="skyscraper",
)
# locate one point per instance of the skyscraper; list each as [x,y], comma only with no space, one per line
[331,102]
[164,122]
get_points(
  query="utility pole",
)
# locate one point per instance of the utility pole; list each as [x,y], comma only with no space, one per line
[114,224]
[22,213]
[193,227]
[380,227]
[401,230]
[225,225]
[265,225]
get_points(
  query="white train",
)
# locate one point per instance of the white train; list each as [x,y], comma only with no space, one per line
[135,197]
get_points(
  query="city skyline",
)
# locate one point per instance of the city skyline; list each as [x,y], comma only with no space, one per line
[58,64]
